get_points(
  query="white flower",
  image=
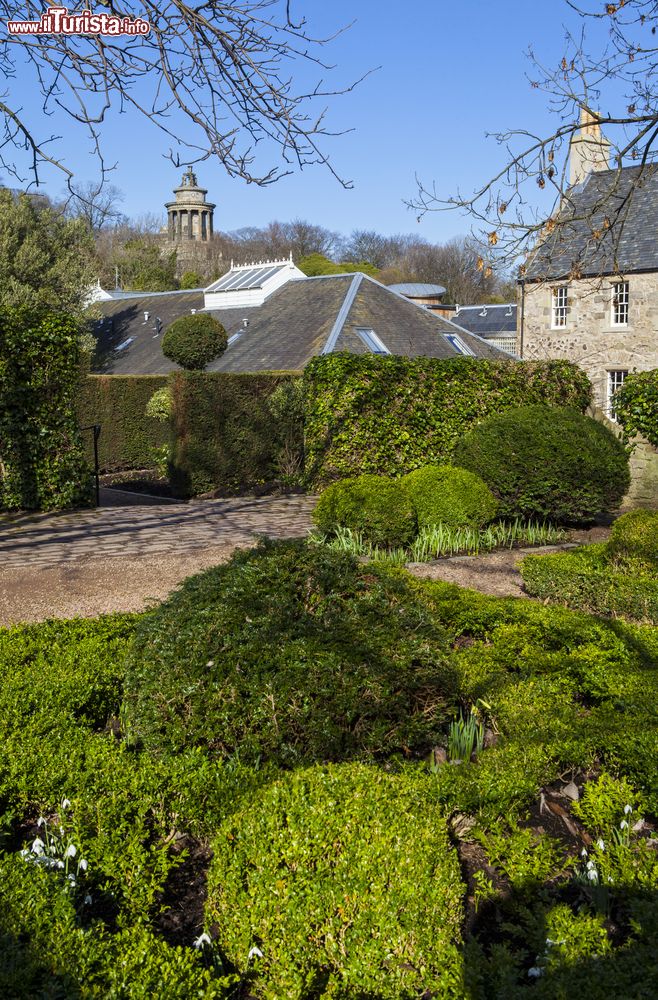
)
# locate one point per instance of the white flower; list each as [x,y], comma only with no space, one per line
[590,865]
[593,876]
[40,821]
[70,851]
[535,972]
[38,845]
[583,853]
[628,809]
[210,663]
[60,864]
[201,940]
[87,900]
[66,804]
[600,844]
[82,866]
[623,825]
[254,953]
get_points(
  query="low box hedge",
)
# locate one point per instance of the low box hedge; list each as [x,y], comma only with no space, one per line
[584,579]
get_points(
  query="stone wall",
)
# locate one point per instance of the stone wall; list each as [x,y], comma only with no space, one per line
[589,337]
[643,490]
[204,256]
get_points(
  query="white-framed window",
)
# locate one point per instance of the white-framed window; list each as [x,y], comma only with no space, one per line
[620,303]
[560,306]
[459,344]
[615,381]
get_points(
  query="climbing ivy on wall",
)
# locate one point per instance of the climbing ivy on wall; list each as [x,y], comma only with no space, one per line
[42,464]
[390,415]
[636,405]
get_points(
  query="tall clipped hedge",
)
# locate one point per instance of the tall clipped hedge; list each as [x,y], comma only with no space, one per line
[118,403]
[42,463]
[636,405]
[224,432]
[387,414]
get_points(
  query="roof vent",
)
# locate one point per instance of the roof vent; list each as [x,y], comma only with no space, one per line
[484,312]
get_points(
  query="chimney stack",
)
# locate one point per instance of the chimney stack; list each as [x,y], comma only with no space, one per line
[589,150]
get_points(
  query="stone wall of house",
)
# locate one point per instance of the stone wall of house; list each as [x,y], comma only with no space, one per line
[643,490]
[589,337]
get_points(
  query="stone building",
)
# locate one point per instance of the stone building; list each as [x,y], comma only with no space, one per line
[190,229]
[590,289]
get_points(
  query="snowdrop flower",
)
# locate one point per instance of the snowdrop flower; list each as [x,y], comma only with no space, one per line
[600,844]
[38,846]
[87,900]
[70,851]
[535,972]
[590,865]
[66,804]
[60,864]
[210,663]
[254,953]
[593,875]
[628,809]
[623,825]
[583,853]
[201,940]
[82,866]
[40,821]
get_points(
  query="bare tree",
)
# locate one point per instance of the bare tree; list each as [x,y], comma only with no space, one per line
[97,204]
[220,79]
[278,239]
[507,213]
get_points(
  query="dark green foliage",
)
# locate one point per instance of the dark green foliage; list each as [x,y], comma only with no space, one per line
[586,579]
[194,341]
[118,403]
[346,878]
[391,414]
[143,268]
[636,405]
[225,435]
[289,653]
[448,495]
[42,463]
[634,541]
[377,507]
[547,462]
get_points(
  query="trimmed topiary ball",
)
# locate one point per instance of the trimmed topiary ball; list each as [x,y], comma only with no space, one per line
[346,878]
[194,341]
[542,461]
[290,652]
[376,506]
[634,540]
[444,494]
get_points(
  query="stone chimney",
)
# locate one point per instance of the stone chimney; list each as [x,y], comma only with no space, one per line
[589,150]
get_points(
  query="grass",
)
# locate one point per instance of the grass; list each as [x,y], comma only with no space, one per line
[443,540]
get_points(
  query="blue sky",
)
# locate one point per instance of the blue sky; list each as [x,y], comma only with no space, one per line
[450,72]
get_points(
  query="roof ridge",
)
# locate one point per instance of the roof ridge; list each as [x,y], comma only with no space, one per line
[343,312]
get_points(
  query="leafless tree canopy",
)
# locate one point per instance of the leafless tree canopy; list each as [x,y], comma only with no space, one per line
[621,77]
[97,204]
[220,79]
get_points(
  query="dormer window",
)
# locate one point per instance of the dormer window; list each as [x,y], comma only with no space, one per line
[560,307]
[620,301]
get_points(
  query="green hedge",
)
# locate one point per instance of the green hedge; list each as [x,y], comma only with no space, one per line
[118,403]
[585,580]
[391,414]
[42,463]
[636,405]
[225,434]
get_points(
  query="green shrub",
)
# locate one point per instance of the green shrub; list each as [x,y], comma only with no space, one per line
[542,461]
[224,434]
[447,495]
[159,405]
[377,507]
[346,880]
[191,279]
[42,462]
[585,579]
[634,541]
[194,341]
[636,405]
[389,415]
[289,653]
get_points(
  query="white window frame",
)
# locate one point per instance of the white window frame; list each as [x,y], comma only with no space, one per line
[459,344]
[368,337]
[616,377]
[559,307]
[619,306]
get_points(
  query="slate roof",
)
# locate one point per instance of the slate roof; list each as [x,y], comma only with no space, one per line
[300,320]
[487,320]
[608,225]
